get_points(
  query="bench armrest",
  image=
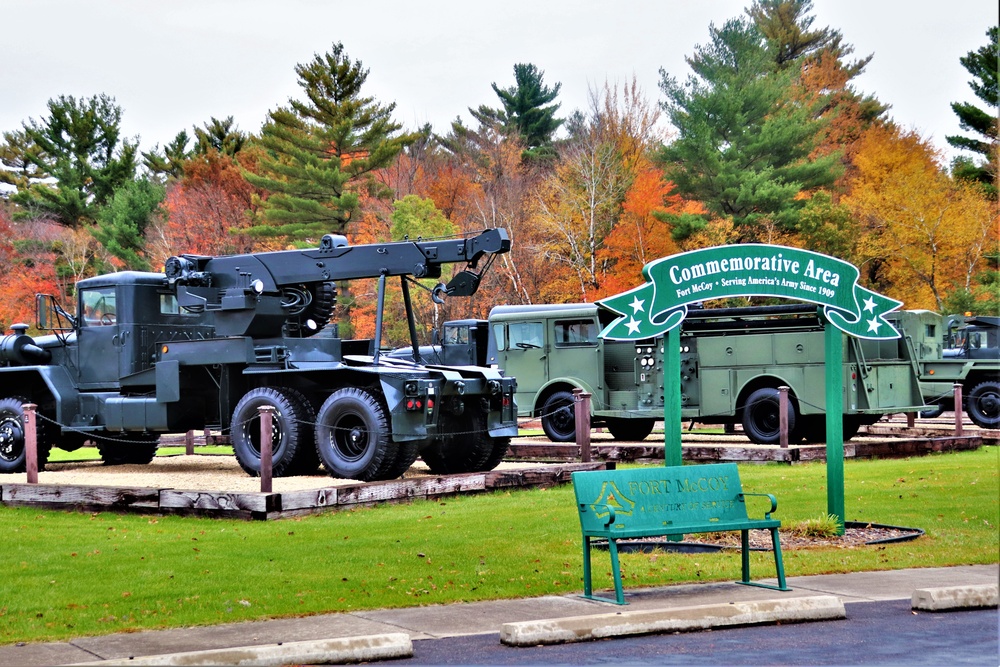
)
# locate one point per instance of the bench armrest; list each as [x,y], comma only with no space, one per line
[607,521]
[774,501]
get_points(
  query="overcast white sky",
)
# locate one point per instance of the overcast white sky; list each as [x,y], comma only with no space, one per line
[174,64]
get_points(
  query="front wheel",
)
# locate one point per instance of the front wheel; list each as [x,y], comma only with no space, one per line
[12,450]
[983,405]
[761,417]
[352,435]
[559,417]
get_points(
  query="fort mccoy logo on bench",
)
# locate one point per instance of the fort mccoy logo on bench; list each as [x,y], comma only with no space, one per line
[748,269]
[612,497]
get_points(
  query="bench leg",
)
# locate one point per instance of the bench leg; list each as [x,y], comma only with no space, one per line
[616,570]
[588,589]
[745,555]
[779,564]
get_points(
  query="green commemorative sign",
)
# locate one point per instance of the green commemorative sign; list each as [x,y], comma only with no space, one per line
[751,269]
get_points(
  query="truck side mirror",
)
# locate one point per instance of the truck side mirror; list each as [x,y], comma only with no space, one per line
[41,313]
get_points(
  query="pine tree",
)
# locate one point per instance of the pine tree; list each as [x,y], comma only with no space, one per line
[982,65]
[744,144]
[80,148]
[320,153]
[524,106]
[121,224]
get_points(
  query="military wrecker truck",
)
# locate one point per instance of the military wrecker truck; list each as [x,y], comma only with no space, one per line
[956,349]
[732,362]
[212,339]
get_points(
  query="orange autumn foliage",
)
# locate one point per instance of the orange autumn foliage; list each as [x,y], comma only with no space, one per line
[638,238]
[205,211]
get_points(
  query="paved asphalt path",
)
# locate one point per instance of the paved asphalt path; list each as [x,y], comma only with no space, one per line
[874,633]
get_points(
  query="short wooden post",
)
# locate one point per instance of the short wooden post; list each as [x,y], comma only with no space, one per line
[911,419]
[266,414]
[208,436]
[958,410]
[30,442]
[783,417]
[581,413]
[189,442]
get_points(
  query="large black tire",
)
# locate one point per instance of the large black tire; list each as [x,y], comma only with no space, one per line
[291,428]
[761,417]
[352,436]
[306,460]
[631,429]
[559,417]
[401,460]
[127,448]
[12,452]
[466,450]
[812,428]
[983,405]
[500,447]
[933,413]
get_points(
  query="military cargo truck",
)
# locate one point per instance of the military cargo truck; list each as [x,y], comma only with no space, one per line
[953,350]
[212,339]
[732,362]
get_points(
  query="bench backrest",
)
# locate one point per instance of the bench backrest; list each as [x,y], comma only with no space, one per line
[659,498]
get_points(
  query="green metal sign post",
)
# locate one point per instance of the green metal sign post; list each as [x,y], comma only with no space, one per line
[834,345]
[657,308]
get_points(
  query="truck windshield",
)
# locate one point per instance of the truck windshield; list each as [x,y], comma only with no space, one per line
[524,335]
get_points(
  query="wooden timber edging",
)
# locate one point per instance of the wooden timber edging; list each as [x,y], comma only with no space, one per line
[264,506]
[627,452]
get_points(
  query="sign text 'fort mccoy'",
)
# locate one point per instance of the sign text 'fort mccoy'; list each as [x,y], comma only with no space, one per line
[748,270]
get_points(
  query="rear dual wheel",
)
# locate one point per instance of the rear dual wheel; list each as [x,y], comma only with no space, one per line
[469,449]
[292,450]
[352,437]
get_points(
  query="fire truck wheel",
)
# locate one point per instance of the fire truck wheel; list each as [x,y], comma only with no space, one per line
[761,417]
[290,429]
[630,429]
[352,435]
[559,418]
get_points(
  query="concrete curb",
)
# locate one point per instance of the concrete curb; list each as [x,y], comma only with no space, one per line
[680,619]
[316,652]
[956,597]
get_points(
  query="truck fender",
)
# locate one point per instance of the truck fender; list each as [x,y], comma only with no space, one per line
[562,384]
[55,381]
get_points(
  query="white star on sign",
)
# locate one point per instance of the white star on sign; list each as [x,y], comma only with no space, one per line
[869,304]
[633,326]
[637,305]
[873,325]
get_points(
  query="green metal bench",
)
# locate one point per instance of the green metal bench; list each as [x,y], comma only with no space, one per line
[667,502]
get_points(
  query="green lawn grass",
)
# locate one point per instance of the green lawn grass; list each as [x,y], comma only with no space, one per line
[72,574]
[91,453]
